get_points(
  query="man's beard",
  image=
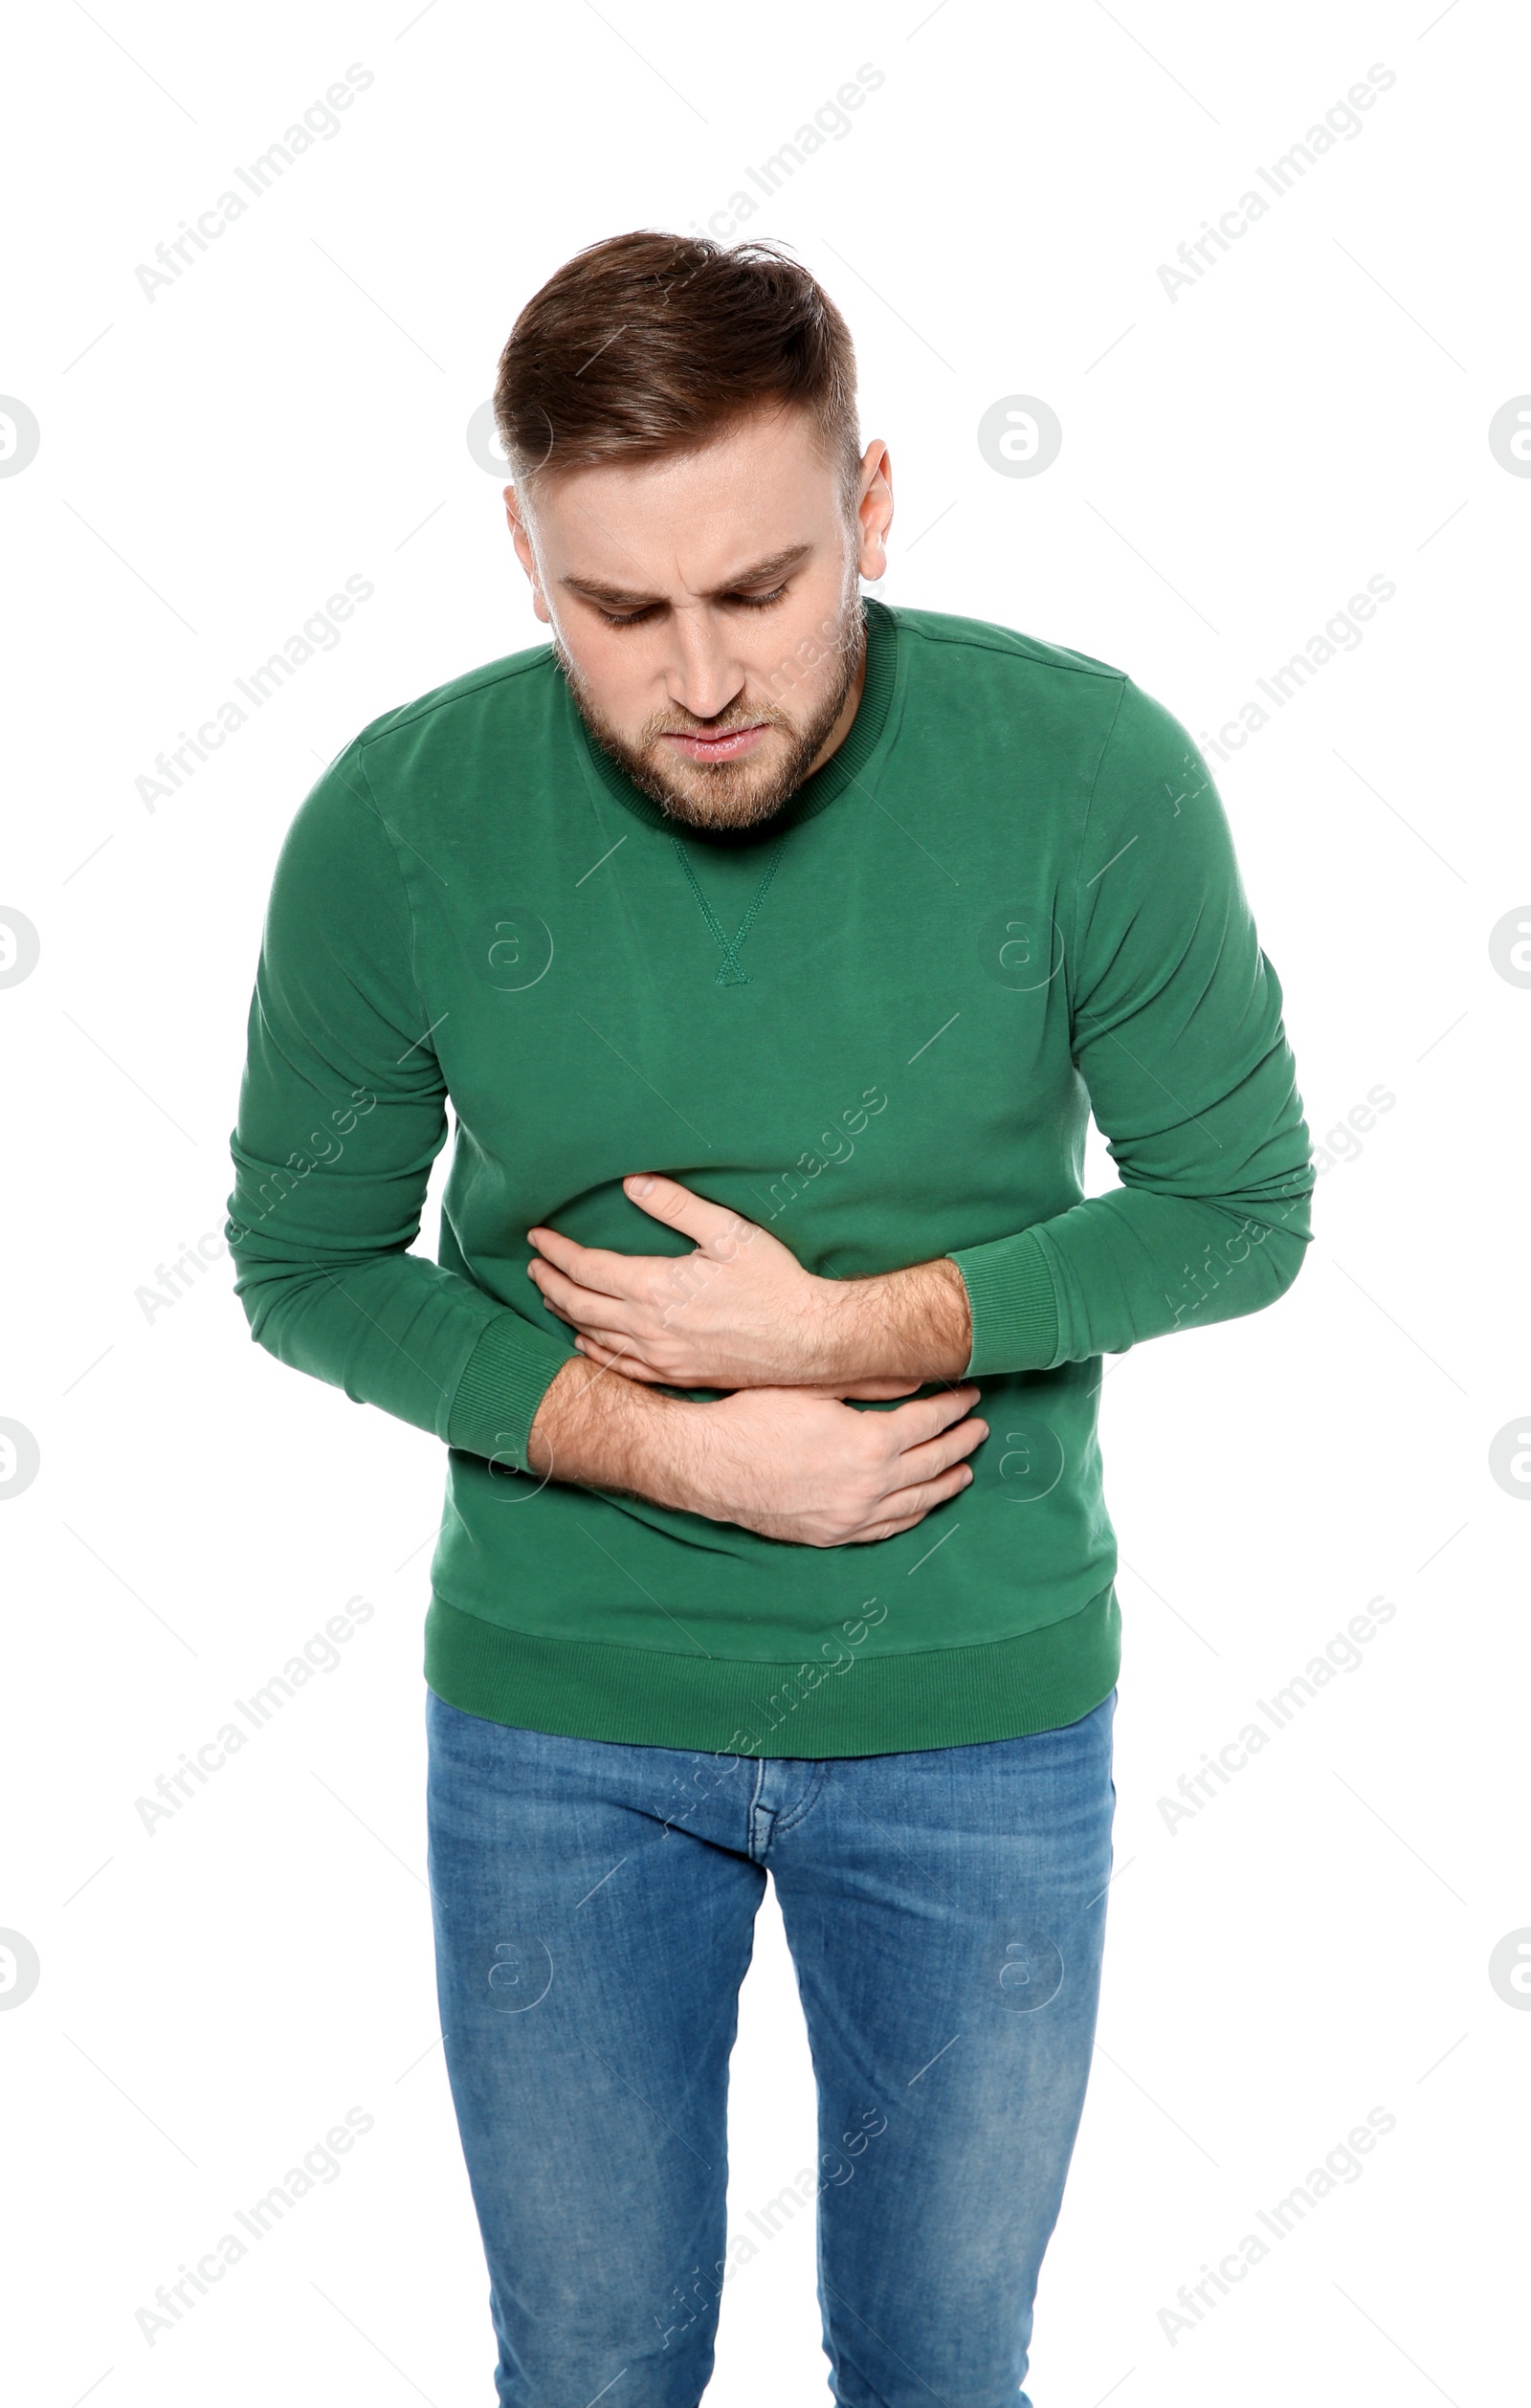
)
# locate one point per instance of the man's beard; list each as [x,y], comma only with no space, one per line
[727,794]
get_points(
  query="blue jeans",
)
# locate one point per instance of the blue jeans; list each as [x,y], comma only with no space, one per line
[594,1908]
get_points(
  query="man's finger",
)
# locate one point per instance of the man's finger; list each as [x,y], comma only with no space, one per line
[612,1343]
[908,1508]
[667,1200]
[928,1416]
[593,1266]
[861,1389]
[908,1505]
[584,1307]
[941,1454]
[616,1357]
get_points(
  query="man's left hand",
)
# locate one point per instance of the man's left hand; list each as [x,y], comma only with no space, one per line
[741,1311]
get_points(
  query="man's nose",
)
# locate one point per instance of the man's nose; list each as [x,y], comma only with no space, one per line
[705,673]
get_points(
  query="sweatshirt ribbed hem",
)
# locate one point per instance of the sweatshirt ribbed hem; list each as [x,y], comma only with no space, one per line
[932,1698]
[1013,1304]
[503,1381]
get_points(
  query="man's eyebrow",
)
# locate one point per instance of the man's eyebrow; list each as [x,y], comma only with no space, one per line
[625,597]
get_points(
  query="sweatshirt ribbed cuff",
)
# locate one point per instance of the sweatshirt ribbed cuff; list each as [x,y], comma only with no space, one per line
[1013,1305]
[503,1381]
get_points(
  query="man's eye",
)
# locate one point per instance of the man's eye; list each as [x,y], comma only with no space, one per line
[745,602]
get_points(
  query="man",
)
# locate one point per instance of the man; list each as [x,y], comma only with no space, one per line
[771,947]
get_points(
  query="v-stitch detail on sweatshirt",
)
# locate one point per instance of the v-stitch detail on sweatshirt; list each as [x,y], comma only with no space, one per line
[731,970]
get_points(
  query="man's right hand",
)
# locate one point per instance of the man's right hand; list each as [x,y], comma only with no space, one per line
[789,1462]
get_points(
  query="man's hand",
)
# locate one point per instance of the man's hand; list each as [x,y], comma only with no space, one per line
[790,1465]
[741,1313]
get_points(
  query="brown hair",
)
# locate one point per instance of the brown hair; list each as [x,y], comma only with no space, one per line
[650,344]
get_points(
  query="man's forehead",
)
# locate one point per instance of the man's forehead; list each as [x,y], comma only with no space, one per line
[764,480]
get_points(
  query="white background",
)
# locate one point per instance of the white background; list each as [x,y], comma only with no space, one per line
[1237,462]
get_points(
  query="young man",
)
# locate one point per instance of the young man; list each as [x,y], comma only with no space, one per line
[772,946]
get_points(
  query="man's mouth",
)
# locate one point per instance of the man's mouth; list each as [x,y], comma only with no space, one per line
[730,743]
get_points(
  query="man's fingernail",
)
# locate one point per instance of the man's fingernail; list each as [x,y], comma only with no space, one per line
[640,1185]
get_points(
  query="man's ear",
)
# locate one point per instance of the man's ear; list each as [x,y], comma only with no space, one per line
[874,509]
[520,538]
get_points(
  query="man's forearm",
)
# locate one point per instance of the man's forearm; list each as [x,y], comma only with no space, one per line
[594,1429]
[911,1324]
[790,1463]
[741,1311]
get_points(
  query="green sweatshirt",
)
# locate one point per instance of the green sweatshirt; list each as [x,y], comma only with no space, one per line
[876,1026]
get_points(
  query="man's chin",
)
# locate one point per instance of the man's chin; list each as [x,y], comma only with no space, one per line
[720,806]
[724,798]
[720,796]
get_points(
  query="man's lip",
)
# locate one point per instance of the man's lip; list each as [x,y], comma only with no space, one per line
[726,743]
